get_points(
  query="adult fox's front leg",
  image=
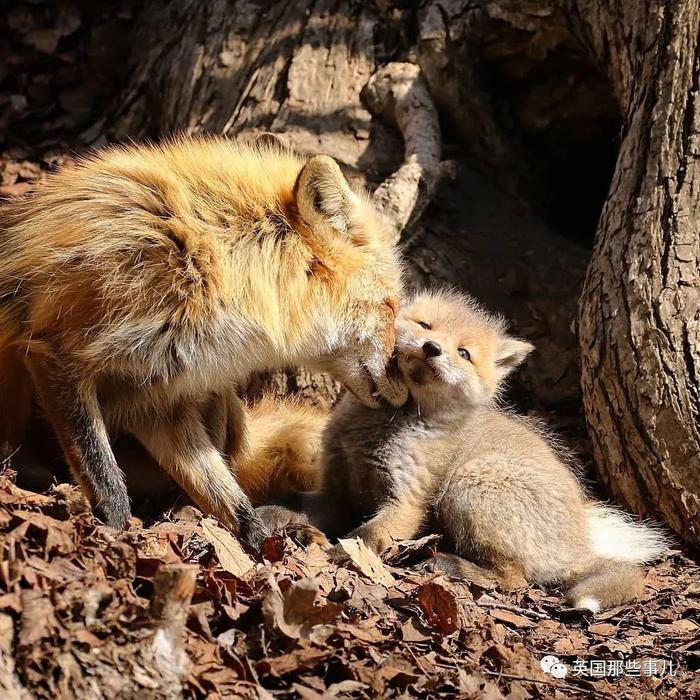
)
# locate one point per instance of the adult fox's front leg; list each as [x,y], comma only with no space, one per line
[74,413]
[182,444]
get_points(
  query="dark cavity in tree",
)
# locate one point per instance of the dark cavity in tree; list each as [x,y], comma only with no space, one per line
[561,109]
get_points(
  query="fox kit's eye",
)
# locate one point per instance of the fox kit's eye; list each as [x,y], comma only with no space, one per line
[425,325]
[464,353]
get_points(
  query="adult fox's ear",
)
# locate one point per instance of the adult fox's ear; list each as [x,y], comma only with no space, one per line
[511,352]
[323,195]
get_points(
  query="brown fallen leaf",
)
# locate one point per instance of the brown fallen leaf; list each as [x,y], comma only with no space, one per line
[511,618]
[366,631]
[7,633]
[37,620]
[680,627]
[407,552]
[342,687]
[293,661]
[693,589]
[366,561]
[228,549]
[306,693]
[413,631]
[295,612]
[273,547]
[156,545]
[476,686]
[440,607]
[604,628]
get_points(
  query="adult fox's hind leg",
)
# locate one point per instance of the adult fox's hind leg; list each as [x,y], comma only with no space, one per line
[183,442]
[74,413]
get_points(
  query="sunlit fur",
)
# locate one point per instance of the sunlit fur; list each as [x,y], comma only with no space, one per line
[156,276]
[492,482]
[448,381]
[281,453]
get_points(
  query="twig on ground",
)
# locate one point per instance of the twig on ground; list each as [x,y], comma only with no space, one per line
[514,608]
[556,686]
[173,589]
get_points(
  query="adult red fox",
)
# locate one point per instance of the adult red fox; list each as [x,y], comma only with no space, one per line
[138,287]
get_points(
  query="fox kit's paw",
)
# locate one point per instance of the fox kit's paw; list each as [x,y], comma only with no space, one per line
[375,538]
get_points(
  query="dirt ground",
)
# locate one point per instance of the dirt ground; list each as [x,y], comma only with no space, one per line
[75,616]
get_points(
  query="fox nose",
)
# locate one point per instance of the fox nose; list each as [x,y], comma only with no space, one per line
[432,349]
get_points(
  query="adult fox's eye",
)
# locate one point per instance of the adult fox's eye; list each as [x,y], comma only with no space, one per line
[464,353]
[423,324]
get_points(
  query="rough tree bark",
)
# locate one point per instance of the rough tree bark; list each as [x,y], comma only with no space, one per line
[518,83]
[640,308]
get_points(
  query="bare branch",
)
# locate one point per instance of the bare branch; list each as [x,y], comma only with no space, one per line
[399,93]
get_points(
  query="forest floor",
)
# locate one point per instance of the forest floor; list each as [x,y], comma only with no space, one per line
[75,618]
[291,622]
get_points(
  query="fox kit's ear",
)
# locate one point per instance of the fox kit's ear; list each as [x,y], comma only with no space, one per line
[324,196]
[511,352]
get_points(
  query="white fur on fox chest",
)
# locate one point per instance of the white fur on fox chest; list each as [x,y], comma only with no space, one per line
[156,363]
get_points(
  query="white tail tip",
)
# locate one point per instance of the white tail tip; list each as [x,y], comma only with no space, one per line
[616,535]
[587,603]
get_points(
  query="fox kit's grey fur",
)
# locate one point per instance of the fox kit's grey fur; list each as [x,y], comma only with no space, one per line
[490,481]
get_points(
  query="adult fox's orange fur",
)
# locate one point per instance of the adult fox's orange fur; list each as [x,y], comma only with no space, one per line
[137,288]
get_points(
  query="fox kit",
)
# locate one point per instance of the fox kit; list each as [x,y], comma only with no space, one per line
[137,288]
[490,481]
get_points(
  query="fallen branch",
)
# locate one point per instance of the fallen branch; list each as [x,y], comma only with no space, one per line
[516,609]
[174,586]
[556,686]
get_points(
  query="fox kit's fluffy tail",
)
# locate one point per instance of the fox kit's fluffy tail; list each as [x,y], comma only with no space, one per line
[619,545]
[615,535]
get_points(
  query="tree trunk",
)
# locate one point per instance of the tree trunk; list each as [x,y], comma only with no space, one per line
[231,66]
[639,313]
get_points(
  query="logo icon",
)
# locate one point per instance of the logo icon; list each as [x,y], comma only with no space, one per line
[551,664]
